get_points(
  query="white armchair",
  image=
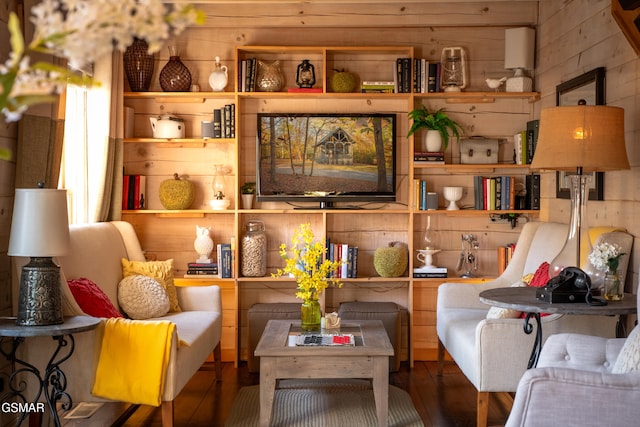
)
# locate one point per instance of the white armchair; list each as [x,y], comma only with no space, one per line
[493,353]
[574,384]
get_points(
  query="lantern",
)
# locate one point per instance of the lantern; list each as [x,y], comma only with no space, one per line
[454,74]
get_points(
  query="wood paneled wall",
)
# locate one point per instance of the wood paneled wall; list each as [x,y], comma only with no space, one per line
[572,38]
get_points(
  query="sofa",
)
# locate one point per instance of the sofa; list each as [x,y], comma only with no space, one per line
[493,352]
[581,380]
[96,253]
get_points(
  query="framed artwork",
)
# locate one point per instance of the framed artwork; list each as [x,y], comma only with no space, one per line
[588,88]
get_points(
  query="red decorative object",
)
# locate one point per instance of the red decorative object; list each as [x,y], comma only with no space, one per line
[91,299]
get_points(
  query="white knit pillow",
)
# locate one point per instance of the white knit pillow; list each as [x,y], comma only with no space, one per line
[629,358]
[142,297]
[505,313]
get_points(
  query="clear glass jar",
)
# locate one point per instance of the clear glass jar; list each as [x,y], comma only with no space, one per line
[254,250]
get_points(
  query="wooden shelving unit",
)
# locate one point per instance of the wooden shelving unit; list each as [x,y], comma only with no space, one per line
[170,234]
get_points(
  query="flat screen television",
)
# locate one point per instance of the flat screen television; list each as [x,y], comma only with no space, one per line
[326,158]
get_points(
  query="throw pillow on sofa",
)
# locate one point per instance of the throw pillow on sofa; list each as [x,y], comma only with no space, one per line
[91,299]
[142,297]
[162,271]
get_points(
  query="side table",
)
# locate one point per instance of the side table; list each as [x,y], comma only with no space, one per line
[53,382]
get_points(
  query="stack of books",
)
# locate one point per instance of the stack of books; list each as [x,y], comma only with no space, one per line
[368,86]
[224,122]
[202,270]
[348,255]
[431,157]
[430,272]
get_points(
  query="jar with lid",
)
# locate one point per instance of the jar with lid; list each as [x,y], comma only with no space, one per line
[254,250]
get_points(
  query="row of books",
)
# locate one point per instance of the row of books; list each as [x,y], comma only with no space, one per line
[524,143]
[505,193]
[504,256]
[134,192]
[421,76]
[424,200]
[224,121]
[349,257]
[248,69]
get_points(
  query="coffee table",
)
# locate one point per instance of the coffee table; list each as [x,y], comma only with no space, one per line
[524,299]
[369,358]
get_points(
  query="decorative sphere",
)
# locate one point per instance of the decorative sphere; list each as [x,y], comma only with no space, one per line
[391,261]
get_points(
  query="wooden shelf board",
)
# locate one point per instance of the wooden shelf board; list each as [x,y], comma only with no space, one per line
[468,168]
[182,142]
[483,97]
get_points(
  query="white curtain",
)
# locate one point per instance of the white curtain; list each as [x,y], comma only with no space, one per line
[88,156]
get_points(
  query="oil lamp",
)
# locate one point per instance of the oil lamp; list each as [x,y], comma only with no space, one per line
[454,74]
[306,74]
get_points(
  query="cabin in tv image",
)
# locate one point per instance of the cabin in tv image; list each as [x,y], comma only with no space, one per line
[335,149]
[302,156]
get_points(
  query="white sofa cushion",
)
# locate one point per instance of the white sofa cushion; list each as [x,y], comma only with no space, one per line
[142,297]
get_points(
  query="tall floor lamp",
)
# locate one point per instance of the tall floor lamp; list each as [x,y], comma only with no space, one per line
[579,139]
[40,230]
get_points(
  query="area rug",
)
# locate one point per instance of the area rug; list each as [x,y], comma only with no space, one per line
[323,403]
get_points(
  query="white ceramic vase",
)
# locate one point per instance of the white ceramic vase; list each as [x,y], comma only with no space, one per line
[432,141]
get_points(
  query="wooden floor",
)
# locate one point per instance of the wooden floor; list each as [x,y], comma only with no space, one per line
[445,401]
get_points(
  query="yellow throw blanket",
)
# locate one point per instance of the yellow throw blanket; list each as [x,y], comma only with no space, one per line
[133,360]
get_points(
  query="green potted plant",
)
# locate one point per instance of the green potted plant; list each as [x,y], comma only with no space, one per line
[247,191]
[438,125]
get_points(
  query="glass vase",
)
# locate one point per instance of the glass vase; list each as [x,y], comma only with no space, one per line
[175,76]
[613,287]
[138,65]
[270,78]
[310,315]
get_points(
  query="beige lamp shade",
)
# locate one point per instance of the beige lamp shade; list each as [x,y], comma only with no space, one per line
[40,224]
[519,48]
[590,137]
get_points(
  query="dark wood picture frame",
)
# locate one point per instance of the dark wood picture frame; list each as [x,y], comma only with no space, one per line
[589,87]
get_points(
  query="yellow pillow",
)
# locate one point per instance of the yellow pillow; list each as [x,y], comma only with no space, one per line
[162,271]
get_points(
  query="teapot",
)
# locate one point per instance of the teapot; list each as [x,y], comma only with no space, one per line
[218,78]
[167,126]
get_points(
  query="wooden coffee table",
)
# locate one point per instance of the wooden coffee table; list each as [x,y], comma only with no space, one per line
[369,358]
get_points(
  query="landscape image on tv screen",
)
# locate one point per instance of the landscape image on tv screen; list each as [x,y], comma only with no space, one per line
[323,155]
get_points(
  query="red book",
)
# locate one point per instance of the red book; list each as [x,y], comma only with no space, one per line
[305,90]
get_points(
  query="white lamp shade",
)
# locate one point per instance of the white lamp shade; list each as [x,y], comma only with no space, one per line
[519,48]
[40,224]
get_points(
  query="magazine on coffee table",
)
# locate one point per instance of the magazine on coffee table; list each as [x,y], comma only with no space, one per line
[326,340]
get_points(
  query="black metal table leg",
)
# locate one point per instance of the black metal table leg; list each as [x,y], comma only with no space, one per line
[537,344]
[52,384]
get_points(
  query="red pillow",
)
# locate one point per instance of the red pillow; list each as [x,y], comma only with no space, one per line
[91,299]
[541,276]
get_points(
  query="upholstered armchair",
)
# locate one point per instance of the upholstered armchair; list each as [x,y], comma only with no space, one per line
[493,352]
[575,383]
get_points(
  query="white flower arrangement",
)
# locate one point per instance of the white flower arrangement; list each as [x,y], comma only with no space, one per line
[606,256]
[80,31]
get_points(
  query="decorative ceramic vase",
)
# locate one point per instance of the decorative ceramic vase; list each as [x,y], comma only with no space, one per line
[432,141]
[247,201]
[138,66]
[219,77]
[270,77]
[310,315]
[175,76]
[613,288]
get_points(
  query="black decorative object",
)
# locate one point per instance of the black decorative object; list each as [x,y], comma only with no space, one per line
[175,76]
[138,66]
[306,74]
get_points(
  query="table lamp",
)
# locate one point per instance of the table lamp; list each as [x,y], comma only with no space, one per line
[39,230]
[579,139]
[519,49]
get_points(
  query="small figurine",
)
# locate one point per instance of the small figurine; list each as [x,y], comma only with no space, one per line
[203,244]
